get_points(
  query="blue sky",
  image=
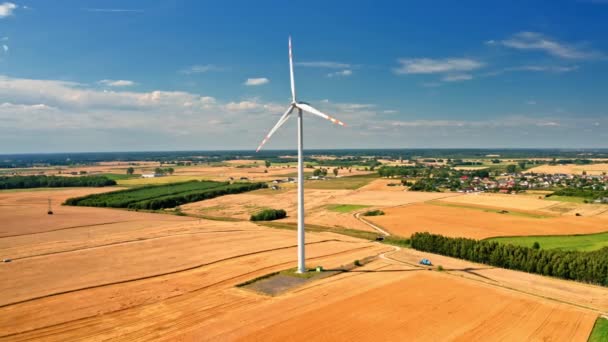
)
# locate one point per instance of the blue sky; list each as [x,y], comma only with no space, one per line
[200,75]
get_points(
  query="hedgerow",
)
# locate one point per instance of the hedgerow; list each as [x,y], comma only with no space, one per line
[588,267]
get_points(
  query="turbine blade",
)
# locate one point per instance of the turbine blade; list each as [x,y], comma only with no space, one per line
[279,123]
[312,110]
[293,84]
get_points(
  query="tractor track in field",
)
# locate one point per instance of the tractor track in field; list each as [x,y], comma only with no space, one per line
[237,278]
[173,272]
[125,242]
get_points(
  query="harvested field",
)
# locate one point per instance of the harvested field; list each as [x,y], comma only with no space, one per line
[591,169]
[522,202]
[581,295]
[97,281]
[316,204]
[390,198]
[528,202]
[242,206]
[473,223]
[382,185]
[426,306]
[26,212]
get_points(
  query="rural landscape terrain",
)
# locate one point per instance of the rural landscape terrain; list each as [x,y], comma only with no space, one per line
[183,170]
[189,246]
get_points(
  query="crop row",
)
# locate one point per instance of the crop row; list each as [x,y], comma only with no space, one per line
[162,196]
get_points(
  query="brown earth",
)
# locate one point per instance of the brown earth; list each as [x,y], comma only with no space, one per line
[473,223]
[592,169]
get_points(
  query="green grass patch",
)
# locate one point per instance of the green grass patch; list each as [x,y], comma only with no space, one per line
[119,176]
[489,210]
[600,330]
[345,208]
[569,199]
[373,213]
[292,272]
[583,243]
[391,240]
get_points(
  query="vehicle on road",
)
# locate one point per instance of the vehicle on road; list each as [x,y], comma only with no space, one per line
[426,262]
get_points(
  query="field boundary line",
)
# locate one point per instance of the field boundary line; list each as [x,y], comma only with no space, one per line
[498,284]
[382,231]
[205,287]
[127,241]
[163,273]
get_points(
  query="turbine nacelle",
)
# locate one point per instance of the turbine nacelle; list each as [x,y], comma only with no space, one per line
[301,105]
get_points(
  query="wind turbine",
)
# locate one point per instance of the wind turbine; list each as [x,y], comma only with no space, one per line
[300,106]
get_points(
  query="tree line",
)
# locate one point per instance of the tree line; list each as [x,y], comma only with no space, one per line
[26,182]
[269,215]
[588,267]
[163,196]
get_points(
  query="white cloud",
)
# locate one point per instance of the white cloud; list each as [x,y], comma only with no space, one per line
[457,77]
[341,73]
[199,69]
[52,115]
[117,83]
[7,9]
[531,102]
[432,66]
[256,81]
[538,41]
[324,64]
[5,48]
[535,68]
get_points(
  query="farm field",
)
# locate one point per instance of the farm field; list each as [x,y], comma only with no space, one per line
[423,306]
[589,242]
[478,224]
[94,272]
[591,169]
[553,205]
[318,204]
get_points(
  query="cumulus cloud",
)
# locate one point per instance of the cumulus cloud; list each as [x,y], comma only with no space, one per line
[433,66]
[256,81]
[7,9]
[540,42]
[324,64]
[341,73]
[117,83]
[52,115]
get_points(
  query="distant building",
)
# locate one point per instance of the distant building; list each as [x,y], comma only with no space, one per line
[151,175]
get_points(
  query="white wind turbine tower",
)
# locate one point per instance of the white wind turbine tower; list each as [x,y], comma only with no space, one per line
[300,106]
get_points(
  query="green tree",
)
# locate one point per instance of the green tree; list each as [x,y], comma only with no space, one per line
[511,168]
[316,172]
[336,172]
[130,171]
[267,163]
